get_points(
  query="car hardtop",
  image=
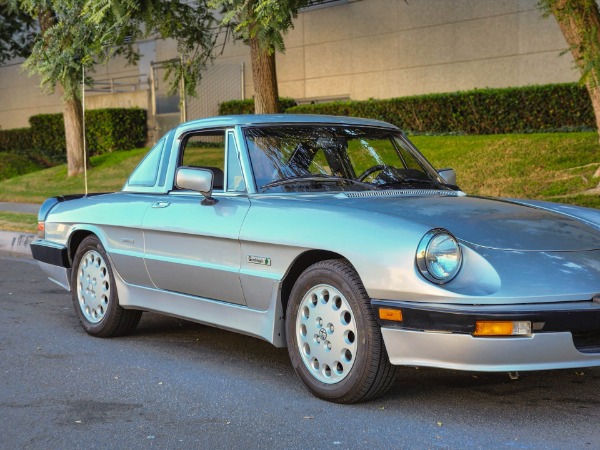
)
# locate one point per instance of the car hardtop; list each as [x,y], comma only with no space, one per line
[245,120]
[156,175]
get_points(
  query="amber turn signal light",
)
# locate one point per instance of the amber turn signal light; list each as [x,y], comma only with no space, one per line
[502,328]
[41,229]
[390,314]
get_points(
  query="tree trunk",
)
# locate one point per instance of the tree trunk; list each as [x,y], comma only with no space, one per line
[72,113]
[264,76]
[45,19]
[74,136]
[579,21]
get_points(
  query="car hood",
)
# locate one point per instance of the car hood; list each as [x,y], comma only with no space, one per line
[486,222]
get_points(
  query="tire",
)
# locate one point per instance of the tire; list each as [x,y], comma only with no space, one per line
[333,338]
[94,293]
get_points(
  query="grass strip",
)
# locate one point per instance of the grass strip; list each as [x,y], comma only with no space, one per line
[21,222]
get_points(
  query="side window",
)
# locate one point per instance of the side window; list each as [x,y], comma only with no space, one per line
[146,172]
[206,150]
[235,178]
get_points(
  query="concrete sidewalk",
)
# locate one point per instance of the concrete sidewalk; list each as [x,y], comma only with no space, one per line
[16,244]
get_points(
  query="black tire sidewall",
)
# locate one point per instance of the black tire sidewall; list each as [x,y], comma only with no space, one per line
[110,320]
[345,389]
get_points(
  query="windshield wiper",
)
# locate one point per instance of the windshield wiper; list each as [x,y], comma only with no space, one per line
[316,178]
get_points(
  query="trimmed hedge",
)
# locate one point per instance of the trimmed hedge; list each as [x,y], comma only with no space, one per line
[17,140]
[558,107]
[48,136]
[106,130]
[554,107]
[233,107]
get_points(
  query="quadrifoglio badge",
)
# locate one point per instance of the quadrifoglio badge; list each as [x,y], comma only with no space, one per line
[263,261]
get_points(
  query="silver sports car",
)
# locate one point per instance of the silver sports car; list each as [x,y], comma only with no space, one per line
[335,237]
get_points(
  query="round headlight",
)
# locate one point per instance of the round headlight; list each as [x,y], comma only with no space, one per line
[438,256]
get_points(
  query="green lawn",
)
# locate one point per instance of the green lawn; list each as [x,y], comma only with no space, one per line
[11,221]
[107,173]
[550,166]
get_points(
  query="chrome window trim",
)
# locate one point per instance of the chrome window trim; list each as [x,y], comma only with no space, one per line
[245,160]
[230,133]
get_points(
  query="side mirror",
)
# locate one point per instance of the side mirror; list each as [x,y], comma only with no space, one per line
[196,179]
[448,175]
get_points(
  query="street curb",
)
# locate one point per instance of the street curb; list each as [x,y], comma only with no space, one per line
[16,244]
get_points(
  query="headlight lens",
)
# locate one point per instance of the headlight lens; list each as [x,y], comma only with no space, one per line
[438,256]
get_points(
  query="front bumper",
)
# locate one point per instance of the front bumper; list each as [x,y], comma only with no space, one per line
[53,259]
[565,335]
[50,253]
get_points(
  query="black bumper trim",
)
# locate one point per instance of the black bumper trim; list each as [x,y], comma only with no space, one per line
[557,318]
[50,253]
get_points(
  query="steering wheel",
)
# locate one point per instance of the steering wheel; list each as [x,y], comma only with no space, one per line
[371,170]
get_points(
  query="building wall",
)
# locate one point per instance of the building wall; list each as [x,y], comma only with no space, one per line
[389,48]
[21,98]
[362,49]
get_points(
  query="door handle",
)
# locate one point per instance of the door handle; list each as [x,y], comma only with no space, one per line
[162,204]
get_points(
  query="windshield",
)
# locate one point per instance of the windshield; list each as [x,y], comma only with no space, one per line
[336,158]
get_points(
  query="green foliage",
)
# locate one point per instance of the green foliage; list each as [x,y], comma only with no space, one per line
[12,165]
[483,111]
[17,140]
[48,136]
[190,24]
[61,48]
[75,35]
[16,32]
[261,24]
[265,20]
[247,106]
[106,130]
[115,129]
[79,34]
[580,18]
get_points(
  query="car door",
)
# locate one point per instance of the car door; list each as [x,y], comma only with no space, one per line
[192,248]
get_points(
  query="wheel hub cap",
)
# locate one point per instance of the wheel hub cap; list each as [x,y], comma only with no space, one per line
[93,286]
[326,334]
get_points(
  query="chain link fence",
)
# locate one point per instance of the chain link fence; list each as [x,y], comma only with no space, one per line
[220,83]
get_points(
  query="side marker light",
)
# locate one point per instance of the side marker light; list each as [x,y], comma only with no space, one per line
[390,314]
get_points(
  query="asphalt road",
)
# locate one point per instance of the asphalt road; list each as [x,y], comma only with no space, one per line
[31,208]
[175,384]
